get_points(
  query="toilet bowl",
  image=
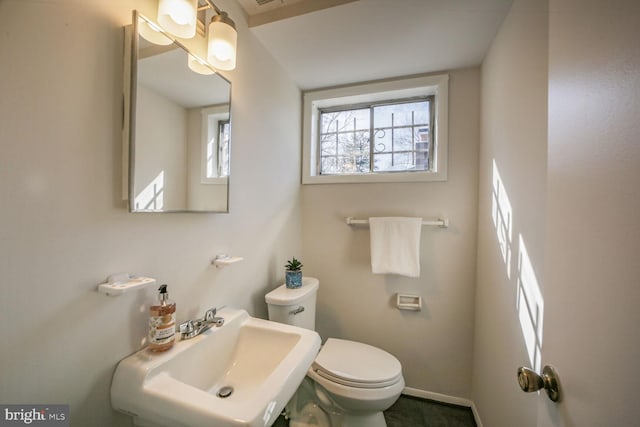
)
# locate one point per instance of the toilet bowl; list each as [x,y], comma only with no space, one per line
[350,383]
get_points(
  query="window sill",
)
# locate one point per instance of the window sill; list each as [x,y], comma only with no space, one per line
[376,178]
[215,181]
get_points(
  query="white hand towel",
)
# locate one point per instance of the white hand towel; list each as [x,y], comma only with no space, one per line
[395,245]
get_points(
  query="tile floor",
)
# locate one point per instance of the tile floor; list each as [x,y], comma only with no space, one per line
[416,412]
[411,411]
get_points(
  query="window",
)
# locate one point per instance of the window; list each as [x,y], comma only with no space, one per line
[385,137]
[378,132]
[215,145]
[223,147]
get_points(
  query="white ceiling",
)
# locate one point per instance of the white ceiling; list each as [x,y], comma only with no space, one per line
[164,70]
[376,39]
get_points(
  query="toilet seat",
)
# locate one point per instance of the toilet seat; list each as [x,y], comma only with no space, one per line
[355,364]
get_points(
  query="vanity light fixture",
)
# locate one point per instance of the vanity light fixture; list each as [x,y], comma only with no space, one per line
[179,17]
[222,41]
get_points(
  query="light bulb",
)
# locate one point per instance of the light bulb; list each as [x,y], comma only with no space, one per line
[223,40]
[221,49]
[178,17]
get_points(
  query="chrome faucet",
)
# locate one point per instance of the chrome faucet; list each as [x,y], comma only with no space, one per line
[193,328]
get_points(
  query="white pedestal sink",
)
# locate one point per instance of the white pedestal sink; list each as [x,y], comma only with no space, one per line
[258,363]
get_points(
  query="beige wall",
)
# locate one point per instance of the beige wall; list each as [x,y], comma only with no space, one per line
[434,345]
[64,228]
[162,128]
[514,138]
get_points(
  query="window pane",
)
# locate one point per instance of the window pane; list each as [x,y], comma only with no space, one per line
[402,117]
[402,139]
[382,162]
[382,115]
[346,144]
[223,150]
[328,144]
[422,160]
[328,165]
[423,112]
[403,161]
[328,122]
[345,134]
[361,141]
[342,121]
[423,135]
[419,110]
[393,162]
[353,164]
[410,113]
[353,143]
[382,141]
[360,119]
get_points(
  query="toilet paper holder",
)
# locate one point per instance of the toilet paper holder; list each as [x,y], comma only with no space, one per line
[408,302]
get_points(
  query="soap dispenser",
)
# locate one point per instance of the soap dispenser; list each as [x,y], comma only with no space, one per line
[162,322]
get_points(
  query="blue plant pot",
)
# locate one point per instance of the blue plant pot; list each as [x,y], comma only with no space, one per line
[293,279]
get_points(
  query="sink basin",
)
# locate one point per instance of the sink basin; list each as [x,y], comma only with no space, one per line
[240,374]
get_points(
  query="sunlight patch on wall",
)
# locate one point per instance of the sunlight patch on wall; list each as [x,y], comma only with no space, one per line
[529,301]
[151,198]
[501,213]
[530,306]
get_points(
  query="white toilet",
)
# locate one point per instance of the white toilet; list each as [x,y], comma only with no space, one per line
[349,383]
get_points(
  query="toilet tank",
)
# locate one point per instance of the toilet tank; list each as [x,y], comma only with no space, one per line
[295,307]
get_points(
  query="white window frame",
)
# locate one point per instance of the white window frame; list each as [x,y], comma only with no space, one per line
[314,101]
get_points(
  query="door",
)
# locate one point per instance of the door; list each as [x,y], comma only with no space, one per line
[592,279]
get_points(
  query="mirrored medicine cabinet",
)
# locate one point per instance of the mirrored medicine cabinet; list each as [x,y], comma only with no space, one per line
[177,126]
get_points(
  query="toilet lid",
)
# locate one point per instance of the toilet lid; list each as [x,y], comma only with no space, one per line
[356,364]
[286,296]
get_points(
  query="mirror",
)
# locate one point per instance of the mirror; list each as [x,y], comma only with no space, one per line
[179,133]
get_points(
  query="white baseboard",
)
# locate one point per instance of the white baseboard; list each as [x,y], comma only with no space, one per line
[438,397]
[476,415]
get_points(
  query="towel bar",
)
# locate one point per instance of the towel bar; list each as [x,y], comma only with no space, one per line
[440,222]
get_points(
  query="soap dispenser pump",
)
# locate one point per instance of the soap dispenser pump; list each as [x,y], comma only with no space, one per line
[162,322]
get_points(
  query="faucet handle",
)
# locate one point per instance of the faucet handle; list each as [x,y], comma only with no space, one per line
[210,317]
[187,326]
[187,329]
[210,314]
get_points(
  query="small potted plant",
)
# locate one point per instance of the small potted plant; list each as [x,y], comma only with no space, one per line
[293,274]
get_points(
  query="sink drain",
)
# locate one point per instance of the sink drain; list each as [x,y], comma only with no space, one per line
[225,392]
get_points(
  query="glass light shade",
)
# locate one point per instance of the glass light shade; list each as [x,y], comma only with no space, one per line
[152,34]
[223,40]
[178,17]
[197,66]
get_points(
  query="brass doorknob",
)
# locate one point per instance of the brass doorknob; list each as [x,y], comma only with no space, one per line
[529,381]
